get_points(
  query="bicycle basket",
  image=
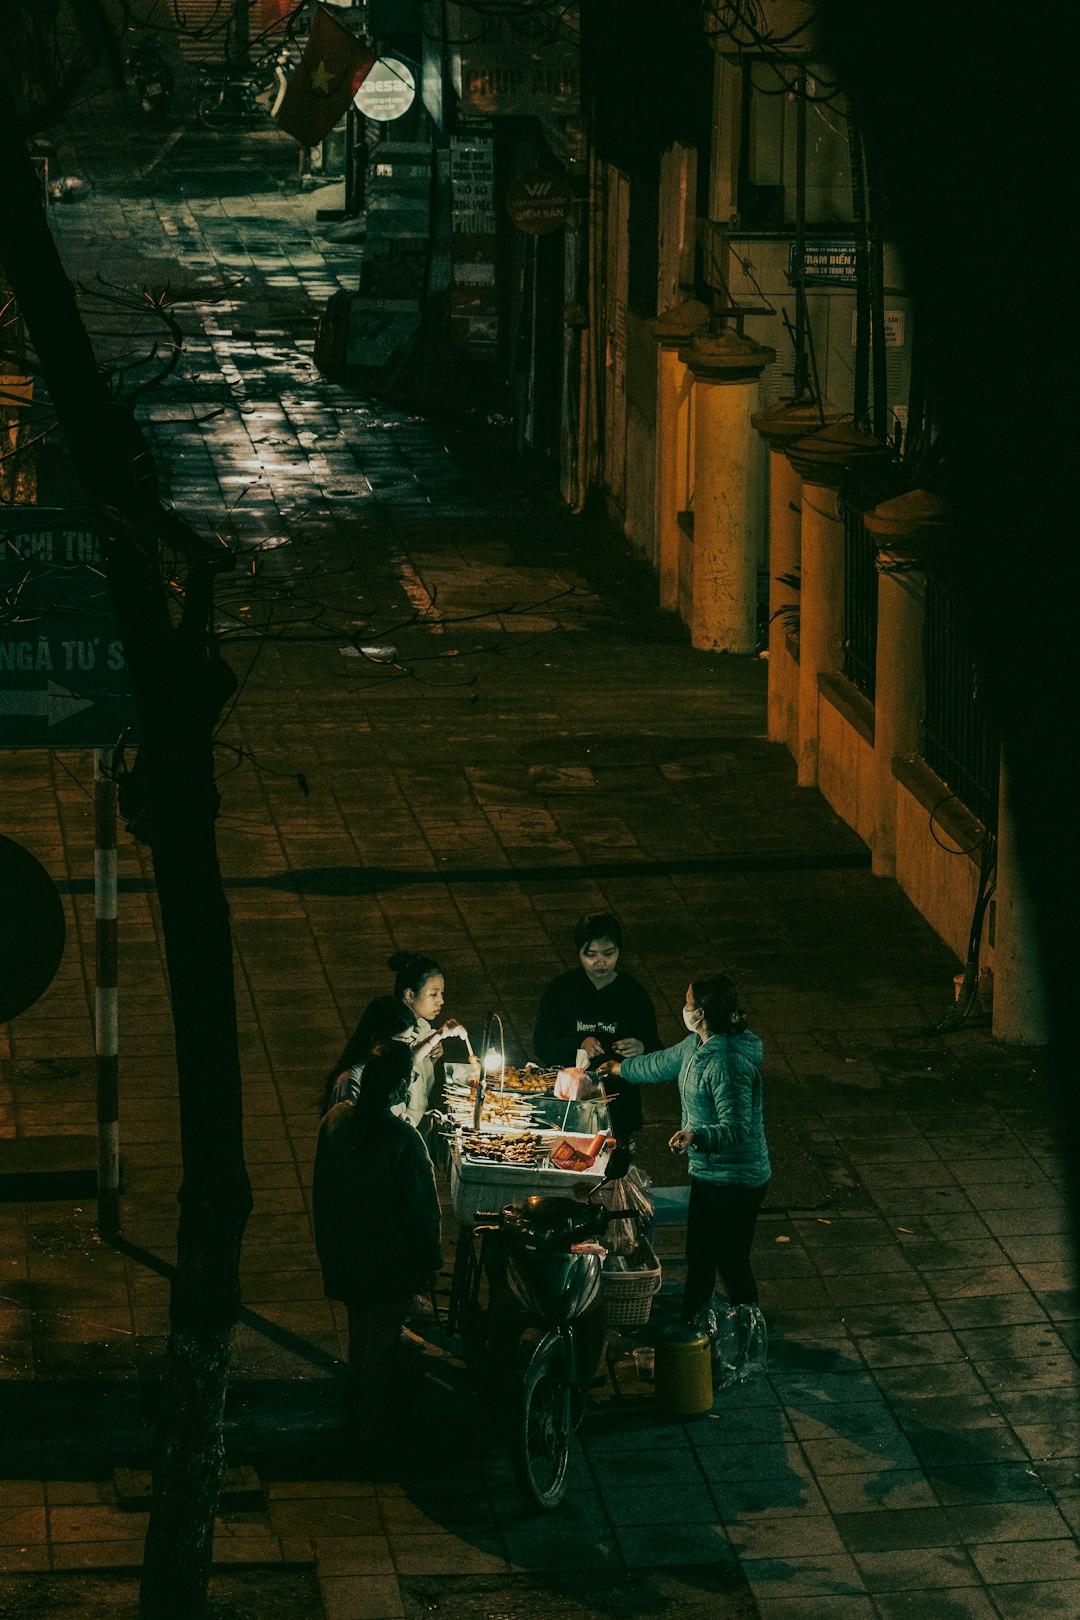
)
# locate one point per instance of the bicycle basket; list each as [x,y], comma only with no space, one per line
[628,1295]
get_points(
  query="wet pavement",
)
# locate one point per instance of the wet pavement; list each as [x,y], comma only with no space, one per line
[539,742]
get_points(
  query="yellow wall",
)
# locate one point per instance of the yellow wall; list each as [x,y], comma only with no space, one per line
[845,768]
[639,510]
[940,885]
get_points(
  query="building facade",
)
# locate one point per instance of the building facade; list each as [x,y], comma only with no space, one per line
[717,341]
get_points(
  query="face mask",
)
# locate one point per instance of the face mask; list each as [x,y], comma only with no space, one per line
[692,1019]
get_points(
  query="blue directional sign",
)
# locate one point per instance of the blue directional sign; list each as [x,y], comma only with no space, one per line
[63,676]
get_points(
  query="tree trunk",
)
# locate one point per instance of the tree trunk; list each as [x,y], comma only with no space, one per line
[180,685]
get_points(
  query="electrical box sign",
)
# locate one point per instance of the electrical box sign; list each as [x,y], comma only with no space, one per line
[823,264]
[895,328]
[63,676]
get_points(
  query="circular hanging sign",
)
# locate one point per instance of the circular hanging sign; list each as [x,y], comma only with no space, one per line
[539,202]
[31,930]
[388,91]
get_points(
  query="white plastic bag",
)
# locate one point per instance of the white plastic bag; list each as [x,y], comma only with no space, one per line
[756,1361]
[573,1085]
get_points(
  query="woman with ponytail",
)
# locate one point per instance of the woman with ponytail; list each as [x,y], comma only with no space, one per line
[722,1132]
[420,988]
[409,1016]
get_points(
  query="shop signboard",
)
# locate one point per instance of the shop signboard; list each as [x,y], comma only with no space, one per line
[473,309]
[525,66]
[63,677]
[539,202]
[388,91]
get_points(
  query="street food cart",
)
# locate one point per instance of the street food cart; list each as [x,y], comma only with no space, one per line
[511,1138]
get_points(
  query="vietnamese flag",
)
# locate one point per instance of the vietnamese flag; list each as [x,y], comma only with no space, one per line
[333,67]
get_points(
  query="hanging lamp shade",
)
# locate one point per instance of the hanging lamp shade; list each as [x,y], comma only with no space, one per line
[787,420]
[676,326]
[824,457]
[726,356]
[918,514]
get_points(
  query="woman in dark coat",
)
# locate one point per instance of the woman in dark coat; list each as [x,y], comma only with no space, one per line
[384,1019]
[377,1227]
[410,1015]
[597,1009]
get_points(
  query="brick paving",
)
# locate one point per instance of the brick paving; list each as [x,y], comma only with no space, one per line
[542,742]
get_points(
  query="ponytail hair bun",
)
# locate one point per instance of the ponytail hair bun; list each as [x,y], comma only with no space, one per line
[411,971]
[718,997]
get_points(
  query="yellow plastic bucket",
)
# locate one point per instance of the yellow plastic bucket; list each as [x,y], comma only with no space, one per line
[683,1372]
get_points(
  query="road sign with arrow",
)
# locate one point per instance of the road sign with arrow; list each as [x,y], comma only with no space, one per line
[63,676]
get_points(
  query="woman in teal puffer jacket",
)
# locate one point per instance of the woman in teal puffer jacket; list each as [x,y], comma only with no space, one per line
[718,1067]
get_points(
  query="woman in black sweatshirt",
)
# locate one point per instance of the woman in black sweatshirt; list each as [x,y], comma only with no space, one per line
[601,1011]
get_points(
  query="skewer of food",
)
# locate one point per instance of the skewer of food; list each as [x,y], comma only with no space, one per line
[520,1149]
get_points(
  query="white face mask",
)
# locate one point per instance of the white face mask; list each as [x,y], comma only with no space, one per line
[692,1019]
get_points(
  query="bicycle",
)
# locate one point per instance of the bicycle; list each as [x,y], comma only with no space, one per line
[540,1333]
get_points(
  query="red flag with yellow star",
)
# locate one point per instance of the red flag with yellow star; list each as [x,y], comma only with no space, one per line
[333,67]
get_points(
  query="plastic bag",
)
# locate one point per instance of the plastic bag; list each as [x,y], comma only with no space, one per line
[639,1256]
[631,1209]
[573,1085]
[740,1340]
[629,1195]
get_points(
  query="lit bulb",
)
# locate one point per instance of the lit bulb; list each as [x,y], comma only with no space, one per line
[492,1061]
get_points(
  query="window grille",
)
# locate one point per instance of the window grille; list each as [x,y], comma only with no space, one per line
[961,740]
[860,604]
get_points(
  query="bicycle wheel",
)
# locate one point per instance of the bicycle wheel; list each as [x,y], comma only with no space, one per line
[210,111]
[543,1426]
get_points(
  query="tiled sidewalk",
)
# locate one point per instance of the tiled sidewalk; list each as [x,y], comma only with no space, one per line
[542,743]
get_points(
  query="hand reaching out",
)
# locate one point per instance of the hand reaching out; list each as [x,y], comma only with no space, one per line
[629,1046]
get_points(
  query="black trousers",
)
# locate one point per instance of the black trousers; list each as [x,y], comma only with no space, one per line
[719,1231]
[374,1338]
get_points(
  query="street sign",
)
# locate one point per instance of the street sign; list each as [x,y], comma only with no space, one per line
[539,202]
[63,676]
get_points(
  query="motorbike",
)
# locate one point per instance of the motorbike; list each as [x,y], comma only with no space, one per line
[243,97]
[539,1334]
[150,78]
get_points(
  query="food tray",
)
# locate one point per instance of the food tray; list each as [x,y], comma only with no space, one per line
[489,1186]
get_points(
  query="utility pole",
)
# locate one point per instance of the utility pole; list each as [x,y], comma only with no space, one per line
[180,685]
